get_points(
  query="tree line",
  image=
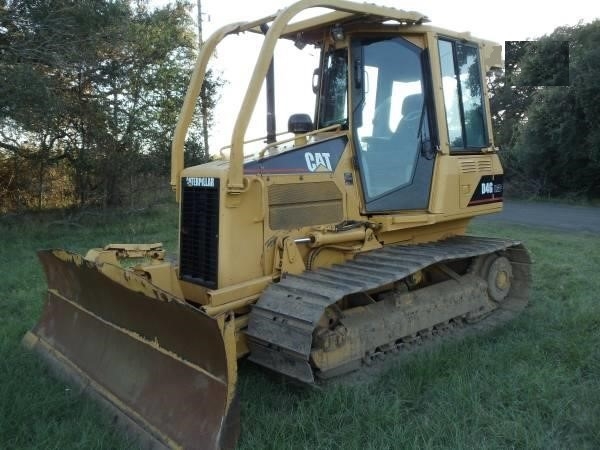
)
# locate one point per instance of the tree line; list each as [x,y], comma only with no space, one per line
[546,113]
[89,97]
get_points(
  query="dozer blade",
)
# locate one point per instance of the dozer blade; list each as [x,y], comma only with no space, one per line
[163,366]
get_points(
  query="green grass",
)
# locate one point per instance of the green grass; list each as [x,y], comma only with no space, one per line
[36,411]
[534,383]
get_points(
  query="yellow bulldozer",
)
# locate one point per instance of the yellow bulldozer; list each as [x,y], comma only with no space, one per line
[340,242]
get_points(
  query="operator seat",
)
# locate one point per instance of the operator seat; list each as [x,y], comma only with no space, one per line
[408,127]
[390,163]
[405,137]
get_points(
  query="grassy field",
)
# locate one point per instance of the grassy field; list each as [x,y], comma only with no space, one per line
[532,384]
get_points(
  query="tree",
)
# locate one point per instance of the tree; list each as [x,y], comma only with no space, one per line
[551,134]
[94,88]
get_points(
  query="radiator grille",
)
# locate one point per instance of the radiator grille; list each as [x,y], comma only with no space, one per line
[199,234]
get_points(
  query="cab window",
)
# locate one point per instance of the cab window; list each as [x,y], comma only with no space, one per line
[333,106]
[463,95]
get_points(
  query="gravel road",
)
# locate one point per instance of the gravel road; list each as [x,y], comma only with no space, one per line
[548,215]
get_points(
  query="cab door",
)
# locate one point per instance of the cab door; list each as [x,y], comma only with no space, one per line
[392,123]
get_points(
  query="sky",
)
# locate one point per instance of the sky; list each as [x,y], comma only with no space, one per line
[506,20]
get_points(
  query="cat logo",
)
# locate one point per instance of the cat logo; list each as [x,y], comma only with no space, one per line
[318,162]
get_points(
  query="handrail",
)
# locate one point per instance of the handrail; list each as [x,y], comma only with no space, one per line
[261,153]
[251,141]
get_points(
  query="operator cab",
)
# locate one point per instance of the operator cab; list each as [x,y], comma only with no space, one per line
[392,111]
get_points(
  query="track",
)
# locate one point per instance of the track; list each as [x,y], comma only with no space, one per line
[280,331]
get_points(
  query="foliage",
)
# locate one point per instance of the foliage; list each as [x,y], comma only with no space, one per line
[544,62]
[547,123]
[91,90]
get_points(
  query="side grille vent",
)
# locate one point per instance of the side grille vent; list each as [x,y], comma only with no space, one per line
[199,233]
[478,165]
[484,165]
[468,166]
[303,204]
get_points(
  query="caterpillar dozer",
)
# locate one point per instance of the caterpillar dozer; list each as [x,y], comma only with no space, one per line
[330,247]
